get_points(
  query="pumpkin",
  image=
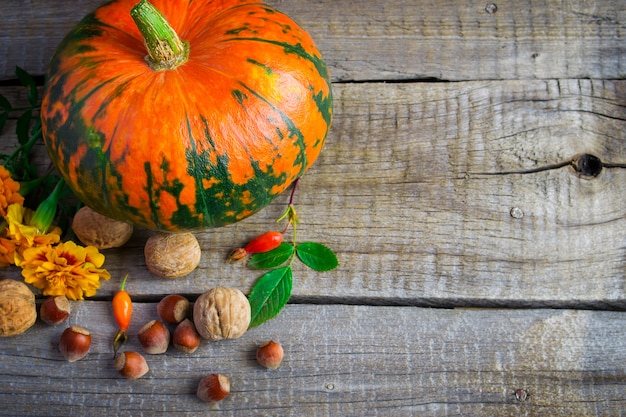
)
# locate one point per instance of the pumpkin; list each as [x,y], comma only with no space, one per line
[183,115]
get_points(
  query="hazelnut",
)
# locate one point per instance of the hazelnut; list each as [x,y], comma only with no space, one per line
[94,229]
[186,337]
[213,388]
[131,365]
[221,313]
[173,308]
[154,337]
[55,310]
[75,343]
[270,354]
[18,311]
[172,255]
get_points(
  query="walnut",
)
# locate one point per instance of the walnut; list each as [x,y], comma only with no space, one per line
[94,229]
[17,307]
[172,255]
[221,313]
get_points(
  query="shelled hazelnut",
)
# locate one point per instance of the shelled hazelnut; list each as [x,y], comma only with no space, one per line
[213,388]
[131,365]
[186,337]
[173,308]
[75,343]
[55,310]
[154,337]
[270,354]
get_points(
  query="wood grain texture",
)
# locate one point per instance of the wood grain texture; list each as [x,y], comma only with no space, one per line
[400,40]
[425,362]
[458,194]
[450,194]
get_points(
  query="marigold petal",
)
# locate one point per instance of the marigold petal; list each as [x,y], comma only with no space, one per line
[74,293]
[7,250]
[8,191]
[94,256]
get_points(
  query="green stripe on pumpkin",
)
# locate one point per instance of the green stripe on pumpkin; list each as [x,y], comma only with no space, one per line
[324,104]
[240,96]
[268,70]
[296,49]
[224,196]
[291,128]
[72,133]
[197,162]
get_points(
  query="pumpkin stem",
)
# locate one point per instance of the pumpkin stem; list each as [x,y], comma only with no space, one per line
[166,50]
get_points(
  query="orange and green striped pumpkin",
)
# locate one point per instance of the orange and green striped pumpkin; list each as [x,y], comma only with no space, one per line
[198,126]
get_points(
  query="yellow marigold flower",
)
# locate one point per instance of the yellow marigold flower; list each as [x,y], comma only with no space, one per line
[7,250]
[8,191]
[65,269]
[24,235]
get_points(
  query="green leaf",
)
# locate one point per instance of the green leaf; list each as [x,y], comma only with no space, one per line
[23,126]
[29,82]
[317,256]
[36,129]
[5,104]
[270,294]
[3,119]
[272,259]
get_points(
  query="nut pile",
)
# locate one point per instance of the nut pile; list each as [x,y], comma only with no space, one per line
[218,314]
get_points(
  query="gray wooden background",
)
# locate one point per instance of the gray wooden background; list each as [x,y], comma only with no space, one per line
[482,270]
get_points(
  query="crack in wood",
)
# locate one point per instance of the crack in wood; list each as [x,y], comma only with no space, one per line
[585,165]
[525,171]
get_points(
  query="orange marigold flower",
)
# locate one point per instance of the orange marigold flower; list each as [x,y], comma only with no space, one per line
[8,191]
[65,269]
[24,235]
[7,250]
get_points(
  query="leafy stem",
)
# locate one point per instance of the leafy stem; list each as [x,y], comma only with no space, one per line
[45,190]
[24,148]
[290,212]
[272,290]
[28,129]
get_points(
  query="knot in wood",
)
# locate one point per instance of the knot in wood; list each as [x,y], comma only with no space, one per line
[491,8]
[521,395]
[587,165]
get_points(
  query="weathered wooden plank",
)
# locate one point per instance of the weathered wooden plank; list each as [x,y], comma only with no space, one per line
[452,161]
[432,194]
[340,360]
[407,39]
[449,194]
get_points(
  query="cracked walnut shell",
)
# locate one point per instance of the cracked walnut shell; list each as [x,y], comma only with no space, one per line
[17,307]
[221,313]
